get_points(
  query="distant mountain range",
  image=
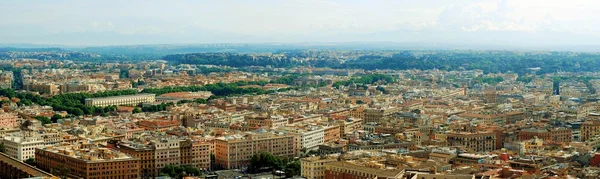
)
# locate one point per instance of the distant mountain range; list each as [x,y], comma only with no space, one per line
[274,47]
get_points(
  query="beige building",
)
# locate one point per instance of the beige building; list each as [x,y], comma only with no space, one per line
[477,142]
[349,125]
[87,161]
[71,88]
[314,167]
[196,153]
[159,153]
[42,88]
[6,79]
[236,151]
[350,169]
[375,114]
[267,122]
[589,129]
[166,152]
[126,100]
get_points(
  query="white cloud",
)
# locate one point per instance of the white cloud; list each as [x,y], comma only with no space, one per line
[523,16]
[295,19]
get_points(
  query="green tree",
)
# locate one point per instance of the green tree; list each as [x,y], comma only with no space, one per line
[124,73]
[292,169]
[2,147]
[56,117]
[176,171]
[45,120]
[140,82]
[416,111]
[267,160]
[30,161]
[136,110]
[382,89]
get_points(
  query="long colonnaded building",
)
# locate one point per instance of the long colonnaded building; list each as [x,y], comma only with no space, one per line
[125,100]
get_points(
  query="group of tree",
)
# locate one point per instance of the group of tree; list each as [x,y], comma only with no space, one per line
[43,119]
[232,59]
[218,89]
[135,84]
[179,171]
[73,103]
[382,89]
[136,110]
[30,161]
[489,80]
[488,61]
[208,70]
[199,100]
[287,79]
[124,73]
[266,161]
[156,108]
[525,79]
[365,79]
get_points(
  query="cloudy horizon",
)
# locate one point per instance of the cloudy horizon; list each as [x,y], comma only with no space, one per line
[494,22]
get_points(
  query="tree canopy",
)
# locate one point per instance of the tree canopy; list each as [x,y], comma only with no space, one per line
[489,61]
[73,103]
[177,171]
[365,79]
[267,161]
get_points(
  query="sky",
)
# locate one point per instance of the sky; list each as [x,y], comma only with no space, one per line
[118,22]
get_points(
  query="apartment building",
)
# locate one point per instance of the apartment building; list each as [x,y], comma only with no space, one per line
[143,152]
[349,125]
[73,88]
[125,100]
[375,114]
[21,146]
[50,89]
[8,120]
[478,141]
[158,125]
[196,153]
[312,137]
[87,161]
[156,154]
[555,135]
[236,151]
[267,122]
[331,133]
[314,167]
[358,112]
[166,152]
[351,170]
[6,79]
[589,129]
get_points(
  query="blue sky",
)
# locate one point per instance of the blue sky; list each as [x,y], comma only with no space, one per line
[112,22]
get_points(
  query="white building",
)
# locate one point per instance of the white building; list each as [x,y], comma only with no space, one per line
[278,121]
[312,138]
[21,146]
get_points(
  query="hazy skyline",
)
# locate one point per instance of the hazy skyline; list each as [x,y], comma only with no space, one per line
[108,22]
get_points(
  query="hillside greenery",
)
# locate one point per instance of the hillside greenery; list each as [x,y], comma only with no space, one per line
[488,61]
